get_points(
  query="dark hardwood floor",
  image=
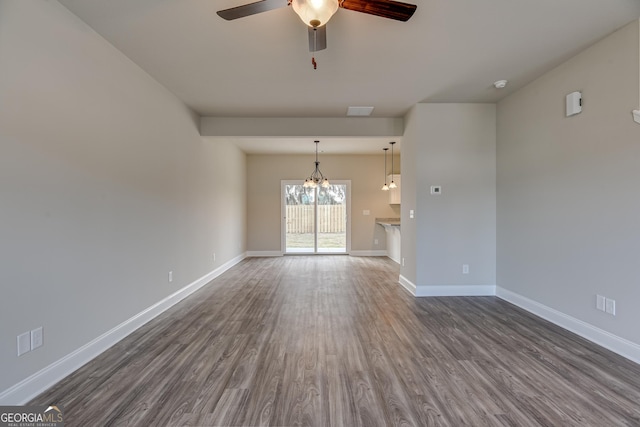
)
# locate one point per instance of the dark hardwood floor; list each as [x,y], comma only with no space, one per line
[335,341]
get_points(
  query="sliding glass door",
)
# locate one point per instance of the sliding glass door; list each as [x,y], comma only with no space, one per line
[315,220]
[300,219]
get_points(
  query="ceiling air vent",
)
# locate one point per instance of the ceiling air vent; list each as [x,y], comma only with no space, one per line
[359,111]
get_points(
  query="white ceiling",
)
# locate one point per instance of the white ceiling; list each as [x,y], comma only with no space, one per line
[259,66]
[327,145]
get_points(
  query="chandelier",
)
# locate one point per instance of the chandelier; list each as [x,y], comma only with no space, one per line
[316,178]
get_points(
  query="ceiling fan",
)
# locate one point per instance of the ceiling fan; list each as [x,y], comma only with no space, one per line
[316,13]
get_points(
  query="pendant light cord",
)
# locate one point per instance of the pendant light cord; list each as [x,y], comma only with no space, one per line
[393,184]
[385,187]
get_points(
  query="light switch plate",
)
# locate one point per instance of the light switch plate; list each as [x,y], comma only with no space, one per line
[610,305]
[36,338]
[600,302]
[636,116]
[24,343]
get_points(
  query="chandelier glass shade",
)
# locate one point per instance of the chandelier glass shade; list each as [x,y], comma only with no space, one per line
[315,13]
[316,178]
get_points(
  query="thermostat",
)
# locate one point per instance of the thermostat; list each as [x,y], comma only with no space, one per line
[574,103]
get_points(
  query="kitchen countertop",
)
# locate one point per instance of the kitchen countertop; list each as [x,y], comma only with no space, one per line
[389,222]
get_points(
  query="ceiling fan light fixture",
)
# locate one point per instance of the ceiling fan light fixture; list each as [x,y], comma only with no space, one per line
[315,13]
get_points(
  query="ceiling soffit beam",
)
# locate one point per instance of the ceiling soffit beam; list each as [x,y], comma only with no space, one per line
[301,126]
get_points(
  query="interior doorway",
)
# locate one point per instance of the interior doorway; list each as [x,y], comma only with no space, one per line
[316,220]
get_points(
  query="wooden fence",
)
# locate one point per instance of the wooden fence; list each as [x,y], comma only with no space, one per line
[332,219]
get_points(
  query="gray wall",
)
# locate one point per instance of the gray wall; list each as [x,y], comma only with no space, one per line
[409,159]
[105,186]
[568,205]
[366,172]
[453,146]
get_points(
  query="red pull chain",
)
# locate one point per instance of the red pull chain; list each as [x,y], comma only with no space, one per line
[315,45]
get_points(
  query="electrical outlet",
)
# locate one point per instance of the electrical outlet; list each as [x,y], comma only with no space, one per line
[465,268]
[375,241]
[37,337]
[24,343]
[600,302]
[403,261]
[170,276]
[366,212]
[411,213]
[214,257]
[610,305]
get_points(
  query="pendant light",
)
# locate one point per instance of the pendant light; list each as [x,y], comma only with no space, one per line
[316,176]
[385,187]
[393,184]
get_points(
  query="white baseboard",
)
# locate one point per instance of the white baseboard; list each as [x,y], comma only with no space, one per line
[447,290]
[369,253]
[408,285]
[618,345]
[397,261]
[252,254]
[255,254]
[456,291]
[27,389]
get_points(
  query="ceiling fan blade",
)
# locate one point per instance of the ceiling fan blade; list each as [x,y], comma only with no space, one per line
[317,38]
[385,8]
[251,9]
